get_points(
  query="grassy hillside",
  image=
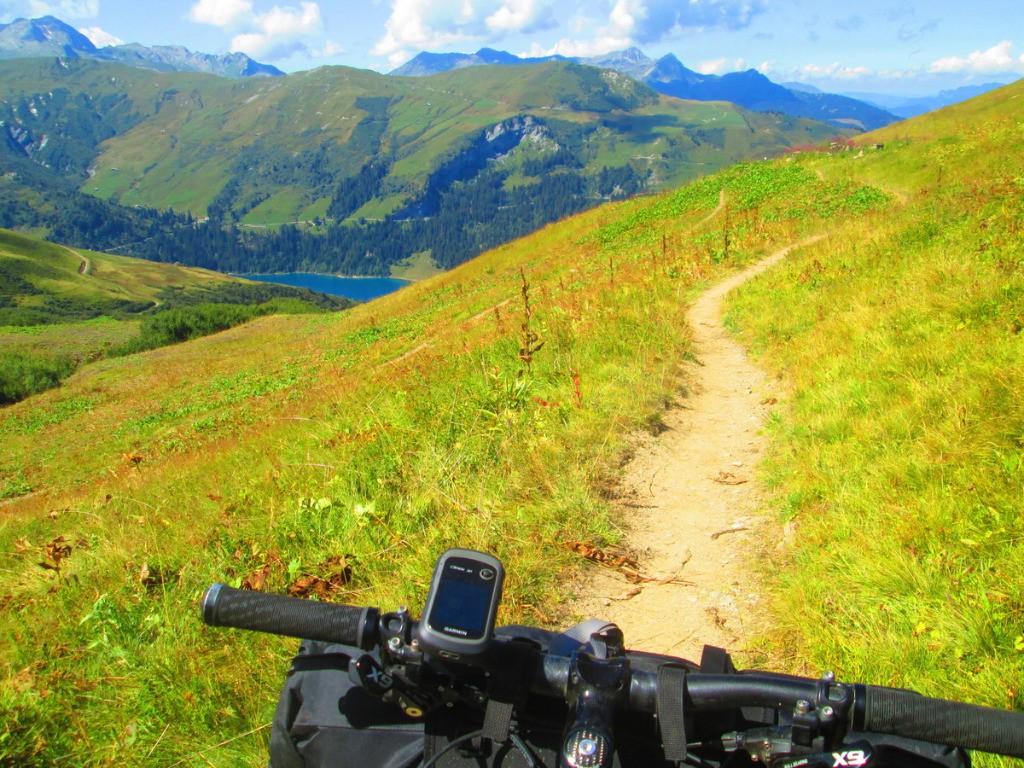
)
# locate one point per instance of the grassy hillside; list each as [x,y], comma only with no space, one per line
[60,307]
[901,463]
[340,170]
[490,407]
[44,277]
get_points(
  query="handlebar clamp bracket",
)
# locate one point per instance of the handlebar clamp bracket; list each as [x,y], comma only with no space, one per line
[825,716]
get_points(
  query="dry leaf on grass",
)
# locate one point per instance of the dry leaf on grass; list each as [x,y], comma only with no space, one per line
[339,575]
[626,565]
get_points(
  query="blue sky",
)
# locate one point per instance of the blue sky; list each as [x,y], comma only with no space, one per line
[908,47]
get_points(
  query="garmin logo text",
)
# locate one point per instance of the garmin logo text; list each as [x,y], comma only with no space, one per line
[456,631]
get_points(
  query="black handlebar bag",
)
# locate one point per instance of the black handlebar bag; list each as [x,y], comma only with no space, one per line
[325,720]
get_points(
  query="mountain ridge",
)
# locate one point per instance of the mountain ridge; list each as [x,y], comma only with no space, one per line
[912,106]
[668,75]
[49,36]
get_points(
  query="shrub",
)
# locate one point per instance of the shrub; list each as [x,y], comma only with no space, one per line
[173,326]
[22,375]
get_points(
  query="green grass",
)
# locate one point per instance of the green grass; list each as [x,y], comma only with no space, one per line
[901,339]
[387,433]
[45,270]
[418,267]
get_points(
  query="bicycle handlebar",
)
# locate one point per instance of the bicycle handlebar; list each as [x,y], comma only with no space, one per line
[906,713]
[225,606]
[892,711]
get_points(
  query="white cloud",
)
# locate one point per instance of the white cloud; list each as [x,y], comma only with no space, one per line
[65,9]
[100,38]
[437,24]
[221,13]
[640,22]
[327,51]
[426,25]
[614,35]
[512,16]
[280,31]
[721,66]
[277,33]
[625,18]
[617,34]
[434,24]
[998,58]
[288,21]
[835,71]
[582,48]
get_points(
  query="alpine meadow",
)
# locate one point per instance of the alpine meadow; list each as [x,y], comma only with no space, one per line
[333,455]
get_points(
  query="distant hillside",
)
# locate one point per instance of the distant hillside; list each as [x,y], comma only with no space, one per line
[43,283]
[61,307]
[914,106]
[344,170]
[749,89]
[51,37]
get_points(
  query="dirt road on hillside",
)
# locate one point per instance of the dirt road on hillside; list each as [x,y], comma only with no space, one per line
[690,500]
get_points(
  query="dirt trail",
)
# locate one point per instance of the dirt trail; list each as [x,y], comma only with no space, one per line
[85,268]
[691,503]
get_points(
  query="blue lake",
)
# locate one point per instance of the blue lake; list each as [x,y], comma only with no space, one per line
[358,288]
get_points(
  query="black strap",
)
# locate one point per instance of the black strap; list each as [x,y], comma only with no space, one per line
[504,692]
[671,715]
[498,721]
[716,661]
[320,661]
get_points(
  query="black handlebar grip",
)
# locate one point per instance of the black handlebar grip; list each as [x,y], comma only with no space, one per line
[225,606]
[909,714]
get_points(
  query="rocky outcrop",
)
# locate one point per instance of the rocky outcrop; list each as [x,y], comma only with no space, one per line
[490,144]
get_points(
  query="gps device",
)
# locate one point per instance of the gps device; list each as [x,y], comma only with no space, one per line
[458,620]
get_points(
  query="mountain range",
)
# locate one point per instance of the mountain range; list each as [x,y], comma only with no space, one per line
[667,75]
[912,106]
[49,36]
[226,163]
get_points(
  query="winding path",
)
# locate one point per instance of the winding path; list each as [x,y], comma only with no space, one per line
[691,502]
